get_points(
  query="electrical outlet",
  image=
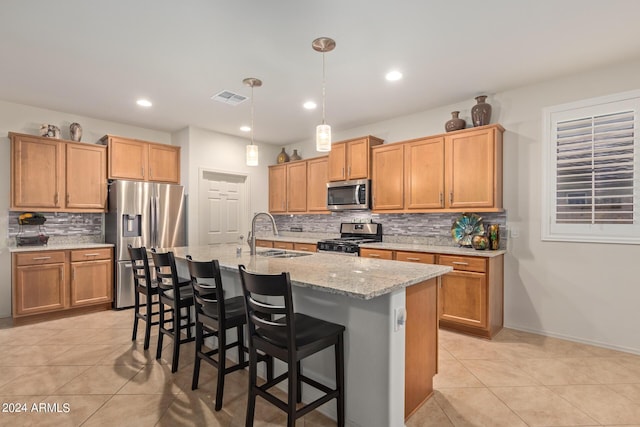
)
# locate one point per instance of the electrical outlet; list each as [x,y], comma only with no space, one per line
[399,318]
[514,232]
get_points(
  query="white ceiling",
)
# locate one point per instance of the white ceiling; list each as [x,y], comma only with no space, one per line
[95,58]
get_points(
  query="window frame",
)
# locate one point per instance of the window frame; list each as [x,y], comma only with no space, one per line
[587,233]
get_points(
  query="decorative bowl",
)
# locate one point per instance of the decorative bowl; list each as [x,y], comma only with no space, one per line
[465,227]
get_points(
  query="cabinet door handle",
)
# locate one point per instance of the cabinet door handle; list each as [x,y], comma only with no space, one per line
[67,198]
[349,171]
[374,255]
[150,174]
[39,258]
[94,254]
[55,199]
[441,198]
[413,259]
[343,172]
[142,169]
[451,197]
[460,263]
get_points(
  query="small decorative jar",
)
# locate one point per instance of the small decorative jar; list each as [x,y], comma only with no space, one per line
[283,157]
[480,242]
[295,155]
[455,123]
[481,112]
[75,131]
[494,236]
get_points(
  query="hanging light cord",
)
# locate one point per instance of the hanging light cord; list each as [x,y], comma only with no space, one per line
[252,114]
[323,87]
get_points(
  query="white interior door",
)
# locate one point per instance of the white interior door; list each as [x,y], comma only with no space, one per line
[223,207]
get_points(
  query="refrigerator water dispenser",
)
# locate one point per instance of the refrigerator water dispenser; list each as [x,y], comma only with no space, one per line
[131,225]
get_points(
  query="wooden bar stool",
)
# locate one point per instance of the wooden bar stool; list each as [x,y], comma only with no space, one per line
[143,285]
[178,297]
[276,330]
[214,316]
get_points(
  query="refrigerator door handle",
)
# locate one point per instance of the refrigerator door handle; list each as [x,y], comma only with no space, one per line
[152,221]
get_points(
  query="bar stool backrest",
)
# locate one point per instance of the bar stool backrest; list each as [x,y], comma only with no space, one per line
[166,273]
[207,285]
[263,313]
[140,266]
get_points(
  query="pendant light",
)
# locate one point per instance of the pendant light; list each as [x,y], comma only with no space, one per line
[323,131]
[252,149]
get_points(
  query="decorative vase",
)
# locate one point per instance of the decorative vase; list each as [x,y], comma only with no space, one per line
[480,242]
[455,123]
[494,237]
[75,130]
[481,112]
[283,157]
[295,155]
[50,131]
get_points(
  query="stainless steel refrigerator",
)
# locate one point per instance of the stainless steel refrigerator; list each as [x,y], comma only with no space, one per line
[142,214]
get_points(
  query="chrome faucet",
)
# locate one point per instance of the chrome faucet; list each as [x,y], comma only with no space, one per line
[252,234]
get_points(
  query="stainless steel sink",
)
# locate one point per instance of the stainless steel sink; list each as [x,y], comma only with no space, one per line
[278,253]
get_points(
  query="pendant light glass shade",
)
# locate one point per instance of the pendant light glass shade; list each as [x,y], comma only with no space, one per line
[252,155]
[323,138]
[252,149]
[323,131]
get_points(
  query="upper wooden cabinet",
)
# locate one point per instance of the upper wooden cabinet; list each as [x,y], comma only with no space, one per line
[473,168]
[142,160]
[57,175]
[298,187]
[317,170]
[351,159]
[288,187]
[388,176]
[444,173]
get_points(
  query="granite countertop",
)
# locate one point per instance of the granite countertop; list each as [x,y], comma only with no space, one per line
[448,250]
[59,247]
[355,277]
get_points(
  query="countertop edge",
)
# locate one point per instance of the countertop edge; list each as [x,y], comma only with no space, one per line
[60,247]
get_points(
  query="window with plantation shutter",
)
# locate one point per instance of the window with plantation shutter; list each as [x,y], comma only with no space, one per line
[592,153]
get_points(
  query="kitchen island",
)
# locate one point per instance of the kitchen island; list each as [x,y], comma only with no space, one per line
[390,357]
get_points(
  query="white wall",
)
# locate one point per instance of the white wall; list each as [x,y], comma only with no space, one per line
[583,292]
[25,119]
[203,149]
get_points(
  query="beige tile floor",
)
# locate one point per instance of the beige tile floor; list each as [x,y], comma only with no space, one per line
[91,374]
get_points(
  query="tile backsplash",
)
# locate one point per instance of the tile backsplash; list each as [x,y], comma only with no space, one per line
[427,228]
[63,227]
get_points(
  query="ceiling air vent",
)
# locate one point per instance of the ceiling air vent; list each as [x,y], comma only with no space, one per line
[228,97]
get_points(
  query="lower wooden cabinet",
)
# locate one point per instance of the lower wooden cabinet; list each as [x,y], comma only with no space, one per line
[282,245]
[91,277]
[56,283]
[308,247]
[39,283]
[471,296]
[376,253]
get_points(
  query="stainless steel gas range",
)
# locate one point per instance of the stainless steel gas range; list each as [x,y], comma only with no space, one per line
[352,235]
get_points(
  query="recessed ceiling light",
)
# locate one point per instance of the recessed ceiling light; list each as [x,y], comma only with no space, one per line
[310,105]
[144,103]
[392,76]
[245,128]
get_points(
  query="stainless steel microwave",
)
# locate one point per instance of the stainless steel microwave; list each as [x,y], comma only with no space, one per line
[349,195]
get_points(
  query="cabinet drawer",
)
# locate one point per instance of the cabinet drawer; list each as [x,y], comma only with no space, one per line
[39,257]
[264,243]
[376,253]
[420,257]
[283,245]
[464,263]
[305,247]
[90,254]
